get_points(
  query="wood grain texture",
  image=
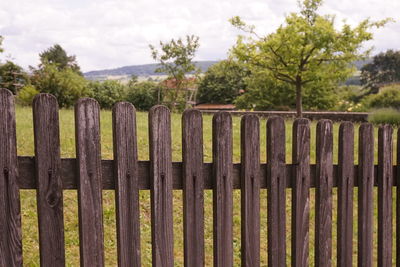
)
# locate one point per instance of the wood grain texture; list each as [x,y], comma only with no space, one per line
[250,191]
[161,187]
[87,123]
[193,187]
[345,195]
[222,191]
[365,194]
[324,184]
[385,181]
[397,179]
[126,184]
[10,211]
[48,180]
[301,192]
[276,185]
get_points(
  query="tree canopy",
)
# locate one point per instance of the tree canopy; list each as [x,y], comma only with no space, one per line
[306,49]
[12,76]
[384,69]
[58,56]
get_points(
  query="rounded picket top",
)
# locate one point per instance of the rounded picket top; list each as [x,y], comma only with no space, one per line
[249,121]
[324,125]
[276,122]
[159,111]
[190,114]
[222,116]
[85,101]
[123,105]
[5,92]
[346,126]
[6,98]
[44,99]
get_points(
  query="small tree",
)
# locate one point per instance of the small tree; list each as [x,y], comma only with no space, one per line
[384,69]
[58,56]
[306,49]
[176,60]
[12,76]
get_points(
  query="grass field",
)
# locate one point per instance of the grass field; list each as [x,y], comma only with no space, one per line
[67,135]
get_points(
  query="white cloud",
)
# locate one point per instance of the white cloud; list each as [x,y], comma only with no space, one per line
[108,33]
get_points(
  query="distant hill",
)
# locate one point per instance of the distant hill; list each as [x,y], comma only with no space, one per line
[138,70]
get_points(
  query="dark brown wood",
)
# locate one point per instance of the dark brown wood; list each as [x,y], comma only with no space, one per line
[385,181]
[397,179]
[126,184]
[161,187]
[87,122]
[276,184]
[365,194]
[250,191]
[222,191]
[48,180]
[324,184]
[10,211]
[193,187]
[345,195]
[301,192]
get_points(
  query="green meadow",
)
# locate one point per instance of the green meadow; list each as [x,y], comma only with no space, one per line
[67,135]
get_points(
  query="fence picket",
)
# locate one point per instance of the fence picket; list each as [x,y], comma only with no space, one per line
[250,191]
[301,192]
[385,182]
[87,123]
[365,194]
[126,184]
[193,187]
[10,211]
[161,187]
[276,184]
[324,184]
[398,199]
[345,195]
[222,191]
[48,180]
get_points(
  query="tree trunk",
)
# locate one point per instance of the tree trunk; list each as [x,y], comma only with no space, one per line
[299,104]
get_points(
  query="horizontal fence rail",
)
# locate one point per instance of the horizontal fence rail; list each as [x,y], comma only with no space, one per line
[49,175]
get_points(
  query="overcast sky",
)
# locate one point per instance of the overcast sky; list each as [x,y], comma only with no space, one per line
[114,33]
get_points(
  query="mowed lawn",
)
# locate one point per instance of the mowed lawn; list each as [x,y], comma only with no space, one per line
[28,197]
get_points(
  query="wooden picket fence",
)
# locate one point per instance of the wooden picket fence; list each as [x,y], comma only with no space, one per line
[89,174]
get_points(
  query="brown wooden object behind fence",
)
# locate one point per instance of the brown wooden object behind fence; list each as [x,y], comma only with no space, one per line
[49,175]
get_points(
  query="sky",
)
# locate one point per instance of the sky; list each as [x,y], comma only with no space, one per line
[105,34]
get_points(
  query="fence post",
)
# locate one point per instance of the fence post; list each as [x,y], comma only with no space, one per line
[345,195]
[324,183]
[222,190]
[161,187]
[250,190]
[276,185]
[365,194]
[193,187]
[10,211]
[301,192]
[385,183]
[87,123]
[126,184]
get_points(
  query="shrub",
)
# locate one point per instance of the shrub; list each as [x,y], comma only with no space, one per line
[26,94]
[385,116]
[143,95]
[107,93]
[387,97]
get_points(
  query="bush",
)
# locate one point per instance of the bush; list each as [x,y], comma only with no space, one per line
[26,94]
[107,93]
[143,95]
[385,116]
[387,97]
[66,85]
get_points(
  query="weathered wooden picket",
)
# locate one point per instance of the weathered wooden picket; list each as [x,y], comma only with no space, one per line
[89,174]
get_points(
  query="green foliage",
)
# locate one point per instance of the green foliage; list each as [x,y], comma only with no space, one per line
[143,95]
[349,97]
[385,116]
[66,85]
[222,83]
[26,94]
[176,60]
[385,68]
[1,42]
[107,93]
[58,56]
[306,51]
[12,76]
[387,97]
